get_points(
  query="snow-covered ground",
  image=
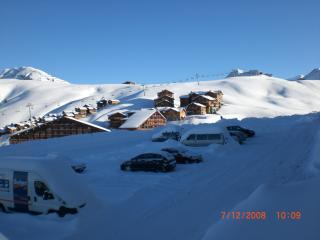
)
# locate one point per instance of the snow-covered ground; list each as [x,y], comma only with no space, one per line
[277,170]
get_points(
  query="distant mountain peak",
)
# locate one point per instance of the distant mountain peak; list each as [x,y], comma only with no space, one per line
[28,73]
[313,75]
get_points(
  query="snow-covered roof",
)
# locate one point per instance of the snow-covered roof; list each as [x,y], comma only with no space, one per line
[56,172]
[138,118]
[197,104]
[89,124]
[206,97]
[184,96]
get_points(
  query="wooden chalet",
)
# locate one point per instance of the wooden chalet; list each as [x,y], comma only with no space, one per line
[81,112]
[117,119]
[144,119]
[68,114]
[196,109]
[60,127]
[164,101]
[165,93]
[207,101]
[173,114]
[113,101]
[11,129]
[90,109]
[184,100]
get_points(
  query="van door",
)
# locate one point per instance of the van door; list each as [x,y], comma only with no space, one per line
[20,191]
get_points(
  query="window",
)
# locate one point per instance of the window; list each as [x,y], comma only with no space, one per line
[202,137]
[40,188]
[214,136]
[4,185]
[191,137]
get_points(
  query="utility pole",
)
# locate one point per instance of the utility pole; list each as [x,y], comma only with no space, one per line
[29,105]
[144,90]
[197,76]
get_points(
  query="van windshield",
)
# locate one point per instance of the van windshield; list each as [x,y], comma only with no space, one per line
[40,188]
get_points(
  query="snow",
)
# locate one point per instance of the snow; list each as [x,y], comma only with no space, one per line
[28,73]
[138,118]
[313,75]
[276,170]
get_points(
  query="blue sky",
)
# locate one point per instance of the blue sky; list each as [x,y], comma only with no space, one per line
[159,41]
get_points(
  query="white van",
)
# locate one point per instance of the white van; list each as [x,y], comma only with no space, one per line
[40,186]
[203,137]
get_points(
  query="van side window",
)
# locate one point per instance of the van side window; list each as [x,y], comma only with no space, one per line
[40,188]
[214,136]
[4,185]
[202,137]
[191,137]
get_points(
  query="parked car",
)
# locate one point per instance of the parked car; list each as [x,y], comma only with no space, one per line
[183,155]
[203,137]
[155,161]
[40,185]
[247,132]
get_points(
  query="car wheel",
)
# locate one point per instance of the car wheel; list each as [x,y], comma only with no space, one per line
[2,208]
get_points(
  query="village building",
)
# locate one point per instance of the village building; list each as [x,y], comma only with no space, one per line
[184,100]
[196,109]
[165,99]
[173,114]
[165,93]
[144,119]
[102,103]
[117,119]
[81,112]
[68,114]
[90,109]
[207,101]
[113,101]
[60,127]
[10,129]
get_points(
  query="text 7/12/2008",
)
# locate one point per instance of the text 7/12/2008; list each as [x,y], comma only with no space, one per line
[259,215]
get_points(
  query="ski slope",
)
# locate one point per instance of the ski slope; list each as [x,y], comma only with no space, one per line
[255,96]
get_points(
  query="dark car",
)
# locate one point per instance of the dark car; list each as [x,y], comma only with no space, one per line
[183,155]
[240,137]
[247,132]
[156,162]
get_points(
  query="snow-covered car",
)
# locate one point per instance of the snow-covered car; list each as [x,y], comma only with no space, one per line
[155,161]
[79,167]
[165,134]
[245,131]
[183,155]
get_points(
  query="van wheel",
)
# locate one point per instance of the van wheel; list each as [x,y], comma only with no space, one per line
[62,212]
[2,208]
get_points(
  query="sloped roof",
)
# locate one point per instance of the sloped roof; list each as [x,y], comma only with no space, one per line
[197,104]
[138,118]
[89,124]
[206,97]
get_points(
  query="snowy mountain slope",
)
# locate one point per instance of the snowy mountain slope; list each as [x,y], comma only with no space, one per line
[256,96]
[28,73]
[313,75]
[186,203]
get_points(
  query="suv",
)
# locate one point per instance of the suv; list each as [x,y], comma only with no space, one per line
[183,155]
[155,162]
[246,132]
